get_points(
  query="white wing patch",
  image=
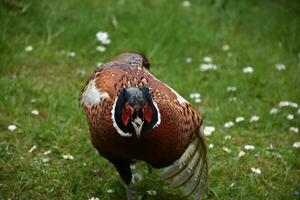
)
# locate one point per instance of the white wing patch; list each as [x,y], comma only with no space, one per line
[180,99]
[92,95]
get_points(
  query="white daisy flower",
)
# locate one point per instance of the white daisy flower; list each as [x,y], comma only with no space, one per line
[109,191]
[232,184]
[71,54]
[32,149]
[248,70]
[227,137]
[249,147]
[231,89]
[296,145]
[68,157]
[195,95]
[151,192]
[288,104]
[210,146]
[290,117]
[207,59]
[254,118]
[45,160]
[33,101]
[186,4]
[28,48]
[188,59]
[12,127]
[208,130]
[101,48]
[280,66]
[225,47]
[241,153]
[94,198]
[273,111]
[198,100]
[103,37]
[228,124]
[208,66]
[239,119]
[270,147]
[294,129]
[226,149]
[256,170]
[47,152]
[35,112]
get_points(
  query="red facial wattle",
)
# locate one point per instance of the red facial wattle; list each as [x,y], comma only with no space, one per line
[126,113]
[148,113]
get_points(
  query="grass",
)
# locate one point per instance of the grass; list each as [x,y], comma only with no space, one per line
[260,34]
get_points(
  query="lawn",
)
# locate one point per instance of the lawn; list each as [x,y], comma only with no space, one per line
[48,49]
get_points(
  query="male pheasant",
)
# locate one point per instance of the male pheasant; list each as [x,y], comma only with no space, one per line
[134,116]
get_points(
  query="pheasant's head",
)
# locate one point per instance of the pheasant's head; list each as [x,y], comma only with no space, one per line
[135,112]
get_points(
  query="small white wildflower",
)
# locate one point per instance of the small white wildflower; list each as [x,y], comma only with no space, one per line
[239,119]
[226,149]
[186,4]
[231,89]
[94,198]
[103,37]
[71,54]
[101,48]
[227,137]
[47,152]
[232,184]
[208,130]
[35,112]
[256,170]
[290,117]
[12,127]
[137,177]
[254,118]
[248,70]
[249,147]
[198,100]
[45,160]
[241,153]
[276,154]
[273,111]
[228,124]
[298,111]
[188,59]
[270,147]
[195,95]
[28,48]
[296,145]
[288,104]
[132,166]
[225,47]
[207,59]
[208,66]
[68,157]
[32,148]
[232,99]
[210,146]
[151,192]
[109,191]
[33,101]
[280,66]
[294,129]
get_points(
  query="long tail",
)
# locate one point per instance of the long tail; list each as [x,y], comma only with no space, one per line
[191,169]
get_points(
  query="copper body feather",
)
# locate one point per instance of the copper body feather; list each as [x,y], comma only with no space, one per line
[161,146]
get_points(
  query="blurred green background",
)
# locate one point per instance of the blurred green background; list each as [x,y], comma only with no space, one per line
[48,49]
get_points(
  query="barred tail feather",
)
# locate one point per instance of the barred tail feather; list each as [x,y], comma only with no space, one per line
[191,169]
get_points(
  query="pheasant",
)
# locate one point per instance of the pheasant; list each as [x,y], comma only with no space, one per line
[134,116]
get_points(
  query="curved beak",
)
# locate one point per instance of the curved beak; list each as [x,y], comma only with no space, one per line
[137,125]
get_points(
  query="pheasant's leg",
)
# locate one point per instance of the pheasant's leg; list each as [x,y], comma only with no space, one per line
[129,193]
[124,170]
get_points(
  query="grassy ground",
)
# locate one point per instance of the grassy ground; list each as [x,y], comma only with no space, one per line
[260,34]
